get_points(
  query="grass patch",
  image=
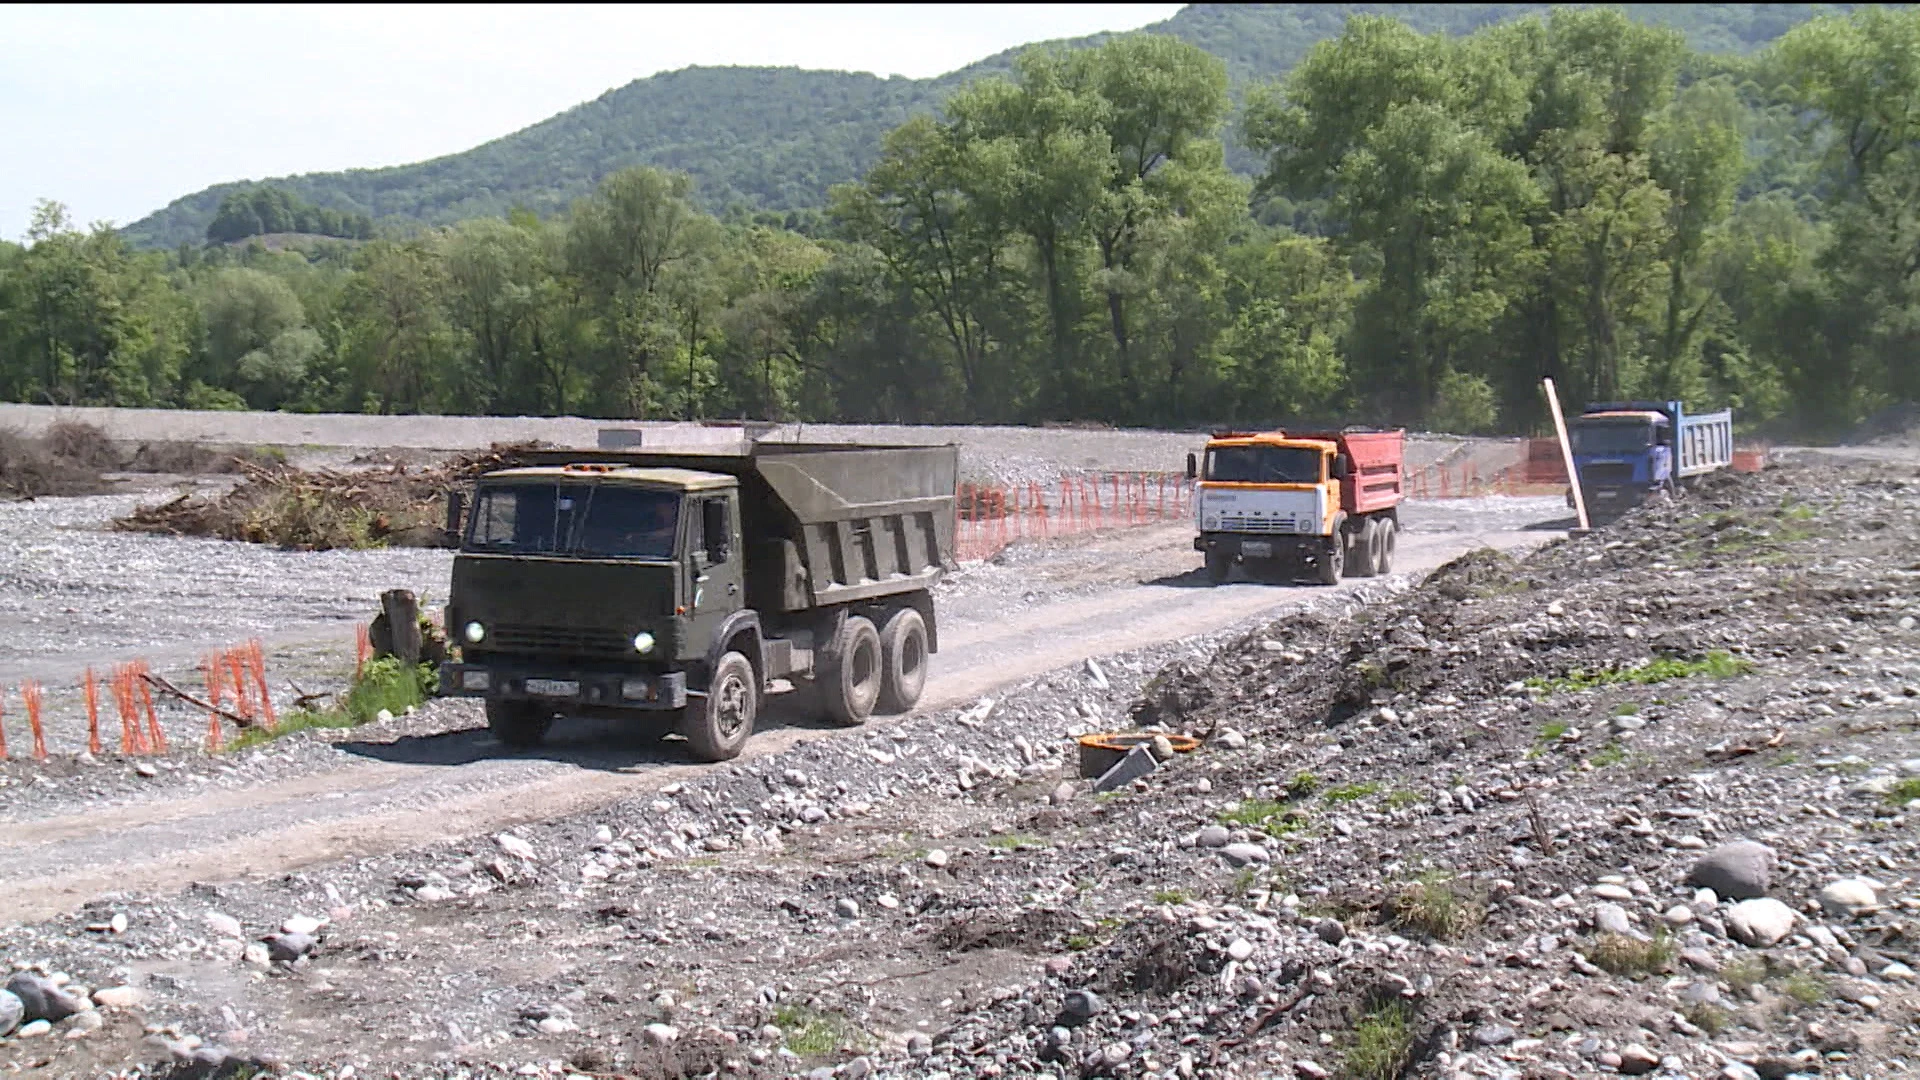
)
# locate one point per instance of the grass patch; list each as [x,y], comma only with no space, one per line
[383,685]
[1079,942]
[1010,841]
[1711,1019]
[1904,792]
[811,1033]
[1623,955]
[1346,793]
[1434,905]
[1715,665]
[1303,785]
[1748,971]
[1382,1044]
[1805,987]
[1553,729]
[1609,755]
[1276,819]
[1172,896]
[1626,708]
[1401,798]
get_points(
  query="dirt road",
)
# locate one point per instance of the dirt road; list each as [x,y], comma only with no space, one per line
[378,796]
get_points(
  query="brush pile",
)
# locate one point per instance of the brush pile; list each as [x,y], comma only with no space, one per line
[323,509]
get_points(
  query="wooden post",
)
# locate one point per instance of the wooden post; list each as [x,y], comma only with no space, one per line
[402,637]
[1566,455]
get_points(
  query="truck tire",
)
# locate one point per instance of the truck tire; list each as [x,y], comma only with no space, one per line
[1389,533]
[1364,558]
[519,724]
[1219,567]
[851,673]
[717,726]
[1332,561]
[903,661]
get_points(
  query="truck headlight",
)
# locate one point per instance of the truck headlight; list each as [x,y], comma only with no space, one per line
[643,642]
[475,680]
[474,633]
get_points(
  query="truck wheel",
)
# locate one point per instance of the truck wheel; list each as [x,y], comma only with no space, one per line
[1219,567]
[1332,561]
[850,677]
[518,723]
[903,661]
[1365,553]
[717,726]
[1388,543]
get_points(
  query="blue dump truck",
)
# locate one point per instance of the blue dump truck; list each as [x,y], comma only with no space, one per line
[1626,451]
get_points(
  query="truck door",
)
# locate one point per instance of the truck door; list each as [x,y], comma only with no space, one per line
[713,556]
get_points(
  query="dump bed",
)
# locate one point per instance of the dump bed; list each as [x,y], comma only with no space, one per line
[1703,443]
[1378,457]
[824,523]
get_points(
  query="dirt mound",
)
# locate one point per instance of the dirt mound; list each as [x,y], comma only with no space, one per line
[318,510]
[32,468]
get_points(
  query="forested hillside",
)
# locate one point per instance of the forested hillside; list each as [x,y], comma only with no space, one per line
[1576,195]
[772,138]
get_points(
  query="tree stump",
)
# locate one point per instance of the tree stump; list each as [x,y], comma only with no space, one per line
[396,630]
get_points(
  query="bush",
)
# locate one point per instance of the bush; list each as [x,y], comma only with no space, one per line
[385,683]
[1464,405]
[86,445]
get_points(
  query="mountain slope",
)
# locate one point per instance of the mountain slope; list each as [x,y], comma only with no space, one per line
[779,137]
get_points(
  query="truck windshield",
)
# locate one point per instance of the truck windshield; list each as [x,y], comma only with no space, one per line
[1264,465]
[593,520]
[1596,438]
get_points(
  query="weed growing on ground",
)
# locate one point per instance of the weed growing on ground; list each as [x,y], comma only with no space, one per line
[810,1033]
[1626,708]
[1711,1019]
[1382,1043]
[1351,792]
[1609,755]
[1303,785]
[1904,792]
[1745,972]
[1715,665]
[1805,987]
[1172,896]
[1276,819]
[1553,729]
[1401,798]
[1434,905]
[1623,955]
[1011,841]
[384,685]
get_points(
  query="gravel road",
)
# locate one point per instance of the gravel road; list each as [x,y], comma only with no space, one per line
[67,838]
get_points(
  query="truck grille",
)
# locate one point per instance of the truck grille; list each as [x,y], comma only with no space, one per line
[562,640]
[1241,523]
[1607,474]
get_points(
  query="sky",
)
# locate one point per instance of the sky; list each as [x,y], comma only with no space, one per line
[118,110]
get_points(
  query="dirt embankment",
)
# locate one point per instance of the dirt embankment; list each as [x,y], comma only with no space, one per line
[71,457]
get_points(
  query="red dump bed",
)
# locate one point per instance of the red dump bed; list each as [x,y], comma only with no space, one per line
[1375,483]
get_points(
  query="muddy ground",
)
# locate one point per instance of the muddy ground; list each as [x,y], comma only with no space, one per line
[1446,827]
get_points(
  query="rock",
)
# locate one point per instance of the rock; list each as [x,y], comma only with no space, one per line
[1114,1055]
[1742,870]
[1849,897]
[515,846]
[661,1034]
[1215,836]
[919,1044]
[1700,959]
[1618,893]
[1493,1035]
[12,1012]
[1244,854]
[144,770]
[858,1069]
[1233,740]
[301,924]
[1083,1004]
[556,1025]
[1636,1059]
[256,954]
[1330,931]
[286,948]
[846,908]
[85,1024]
[41,999]
[1062,793]
[1240,949]
[1760,922]
[1162,748]
[119,997]
[225,925]
[118,924]
[936,858]
[1613,919]
[33,1029]
[433,894]
[1096,676]
[1310,1070]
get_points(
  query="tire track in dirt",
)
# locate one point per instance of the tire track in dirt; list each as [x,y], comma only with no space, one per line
[419,791]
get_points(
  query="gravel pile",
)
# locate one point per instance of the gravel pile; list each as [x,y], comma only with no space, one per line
[1641,803]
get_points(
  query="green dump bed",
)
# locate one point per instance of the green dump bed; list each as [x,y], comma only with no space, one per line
[824,523]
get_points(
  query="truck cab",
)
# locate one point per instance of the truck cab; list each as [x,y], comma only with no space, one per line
[1322,501]
[594,585]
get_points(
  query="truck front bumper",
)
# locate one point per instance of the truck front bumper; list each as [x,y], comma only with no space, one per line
[1251,546]
[564,687]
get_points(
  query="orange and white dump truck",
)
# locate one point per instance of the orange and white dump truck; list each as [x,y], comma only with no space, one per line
[1290,504]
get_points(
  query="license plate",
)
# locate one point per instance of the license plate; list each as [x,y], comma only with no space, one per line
[553,687]
[1257,549]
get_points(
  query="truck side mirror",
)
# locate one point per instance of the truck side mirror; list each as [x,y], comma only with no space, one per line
[715,527]
[456,511]
[1193,466]
[1342,467]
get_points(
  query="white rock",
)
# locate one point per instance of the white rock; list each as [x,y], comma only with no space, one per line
[515,846]
[661,1034]
[300,924]
[1849,897]
[225,925]
[1240,949]
[119,997]
[384,716]
[936,858]
[1761,922]
[33,1029]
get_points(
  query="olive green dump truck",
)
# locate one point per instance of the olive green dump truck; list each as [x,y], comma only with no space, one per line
[673,587]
